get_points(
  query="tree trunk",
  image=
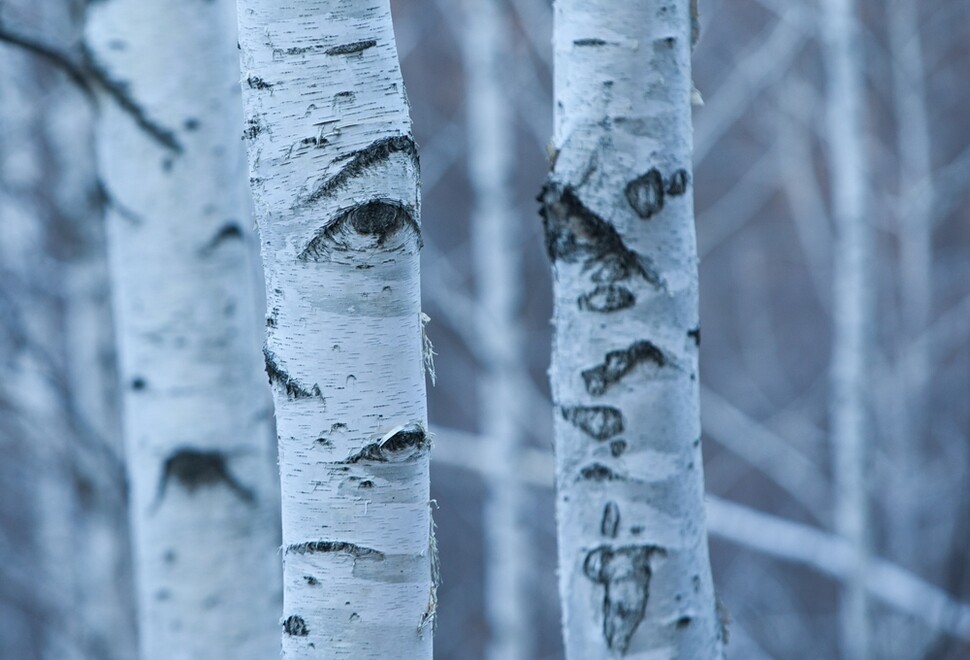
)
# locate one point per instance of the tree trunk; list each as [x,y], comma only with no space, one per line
[635,577]
[204,494]
[851,310]
[496,245]
[334,174]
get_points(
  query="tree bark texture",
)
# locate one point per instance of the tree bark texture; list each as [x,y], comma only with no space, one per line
[200,459]
[635,577]
[334,175]
[851,308]
[496,249]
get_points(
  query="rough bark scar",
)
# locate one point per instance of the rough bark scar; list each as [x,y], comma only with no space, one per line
[228,232]
[574,234]
[371,155]
[193,469]
[295,625]
[350,49]
[277,376]
[607,299]
[646,193]
[255,82]
[382,225]
[625,575]
[313,547]
[598,472]
[619,363]
[599,422]
[610,525]
[589,42]
[402,445]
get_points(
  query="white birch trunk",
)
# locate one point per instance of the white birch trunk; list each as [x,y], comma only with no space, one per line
[851,309]
[203,485]
[335,184]
[635,577]
[496,248]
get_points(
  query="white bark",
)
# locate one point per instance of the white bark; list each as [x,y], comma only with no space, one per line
[203,489]
[635,577]
[851,309]
[496,241]
[335,184]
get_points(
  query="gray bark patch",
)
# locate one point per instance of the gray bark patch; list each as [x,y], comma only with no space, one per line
[606,299]
[278,377]
[193,469]
[405,445]
[619,363]
[350,49]
[574,234]
[646,194]
[624,574]
[600,422]
[377,225]
[377,152]
[295,625]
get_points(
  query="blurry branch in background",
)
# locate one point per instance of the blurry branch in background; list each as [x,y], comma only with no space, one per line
[773,536]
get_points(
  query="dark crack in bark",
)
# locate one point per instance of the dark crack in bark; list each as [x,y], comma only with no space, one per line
[606,299]
[278,376]
[599,422]
[610,524]
[405,444]
[350,49]
[352,549]
[618,364]
[377,152]
[193,469]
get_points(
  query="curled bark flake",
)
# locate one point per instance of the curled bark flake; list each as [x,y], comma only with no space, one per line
[646,194]
[574,234]
[373,154]
[278,376]
[402,444]
[382,225]
[619,363]
[193,469]
[350,49]
[606,299]
[599,422]
[352,549]
[625,575]
[295,625]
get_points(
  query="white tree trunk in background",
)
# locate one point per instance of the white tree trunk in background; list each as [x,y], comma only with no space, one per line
[496,248]
[204,494]
[851,308]
[635,578]
[335,184]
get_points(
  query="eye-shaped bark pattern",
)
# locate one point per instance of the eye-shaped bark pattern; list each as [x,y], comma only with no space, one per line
[625,575]
[405,444]
[379,225]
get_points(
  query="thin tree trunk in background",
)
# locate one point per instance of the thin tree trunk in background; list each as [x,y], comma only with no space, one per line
[635,577]
[335,184]
[496,247]
[204,491]
[851,309]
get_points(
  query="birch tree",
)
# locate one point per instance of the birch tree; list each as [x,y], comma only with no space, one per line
[200,459]
[334,176]
[635,578]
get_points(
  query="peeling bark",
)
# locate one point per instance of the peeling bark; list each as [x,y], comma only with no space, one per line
[334,178]
[635,577]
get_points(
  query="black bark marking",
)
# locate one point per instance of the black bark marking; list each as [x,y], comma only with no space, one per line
[350,49]
[277,376]
[589,42]
[138,383]
[683,622]
[611,520]
[310,580]
[352,549]
[406,444]
[677,185]
[255,82]
[646,194]
[619,363]
[599,422]
[377,222]
[295,625]
[695,334]
[229,231]
[617,447]
[625,575]
[373,154]
[193,469]
[606,299]
[574,234]
[253,128]
[599,472]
